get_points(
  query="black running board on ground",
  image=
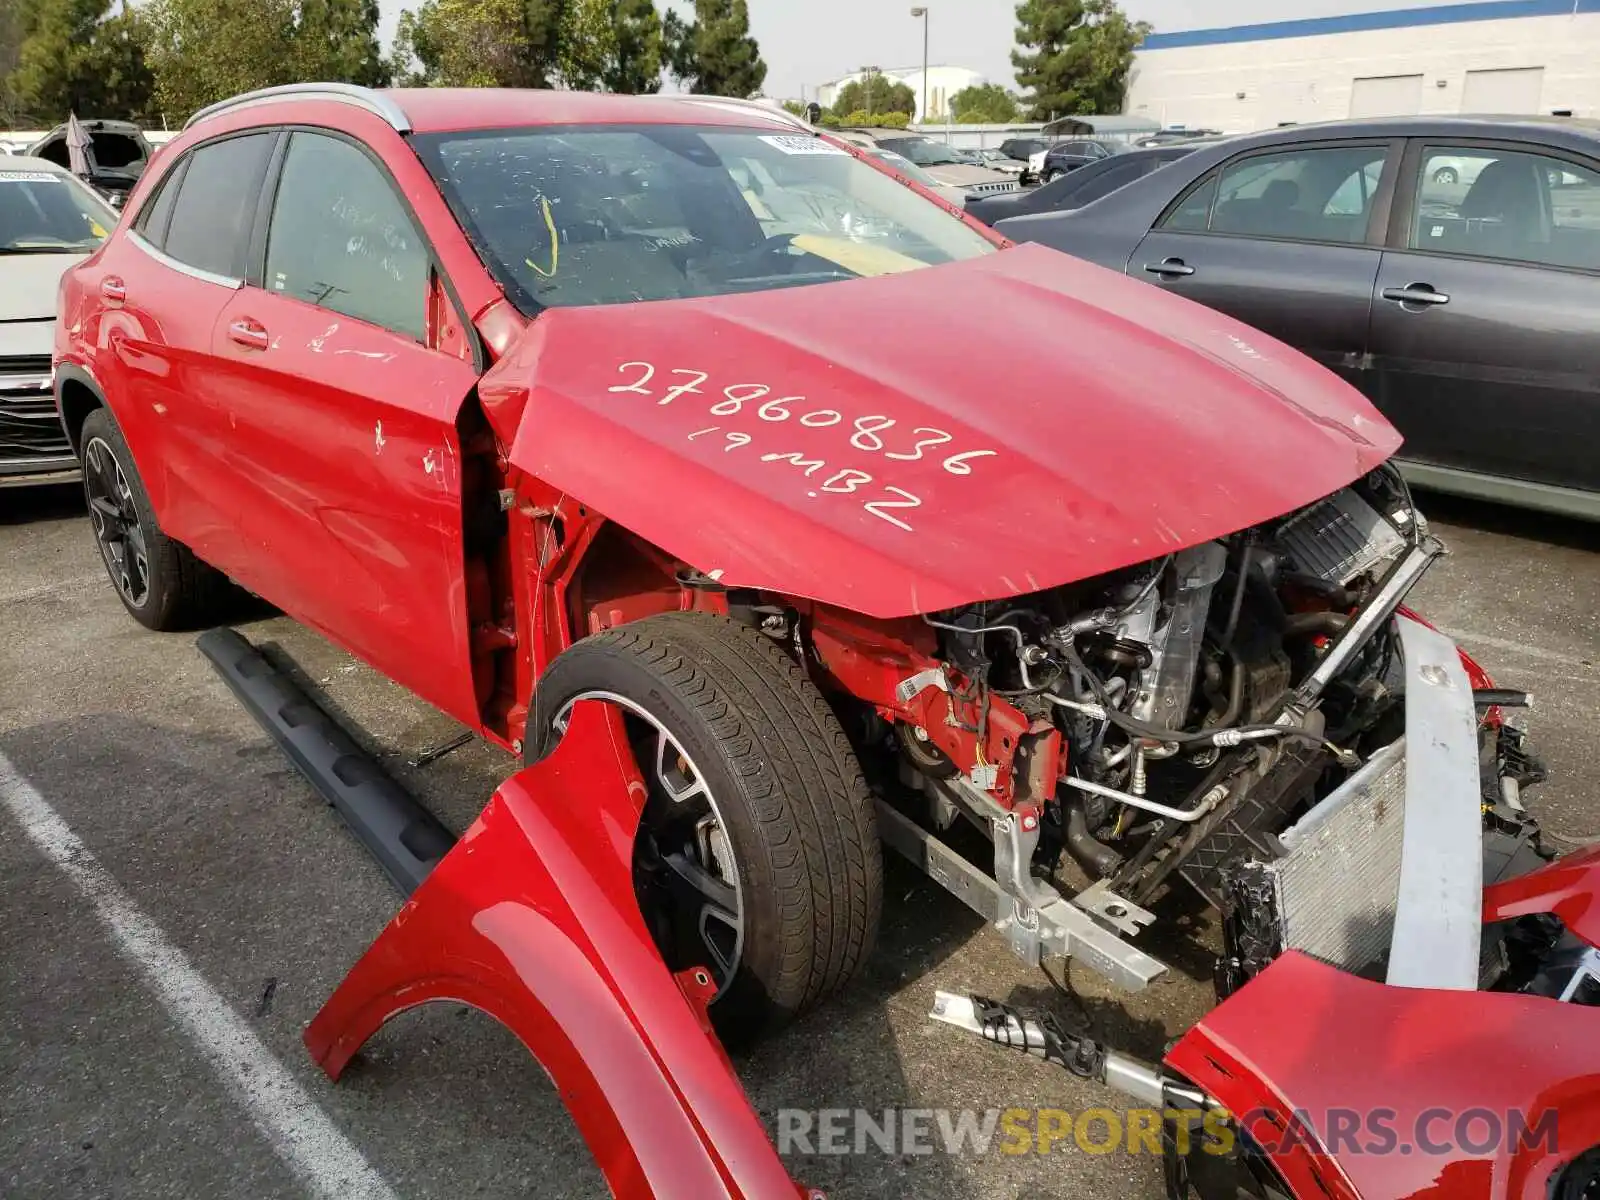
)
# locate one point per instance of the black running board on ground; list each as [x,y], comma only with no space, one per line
[407,840]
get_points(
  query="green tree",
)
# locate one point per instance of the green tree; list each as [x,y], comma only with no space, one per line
[586,43]
[637,55]
[714,55]
[985,104]
[73,57]
[12,23]
[467,43]
[493,43]
[337,41]
[875,93]
[201,51]
[1073,56]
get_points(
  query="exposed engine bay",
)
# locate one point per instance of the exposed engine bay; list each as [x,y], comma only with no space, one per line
[1204,703]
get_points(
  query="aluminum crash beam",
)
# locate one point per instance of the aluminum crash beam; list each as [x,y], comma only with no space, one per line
[1056,927]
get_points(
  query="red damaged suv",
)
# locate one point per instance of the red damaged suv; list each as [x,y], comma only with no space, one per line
[527,398]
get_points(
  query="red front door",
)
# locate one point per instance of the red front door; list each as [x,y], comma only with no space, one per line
[341,425]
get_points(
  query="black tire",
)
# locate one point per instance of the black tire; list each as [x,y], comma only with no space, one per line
[1049,177]
[180,591]
[787,785]
[1446,176]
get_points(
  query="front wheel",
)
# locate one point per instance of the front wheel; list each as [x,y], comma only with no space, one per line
[1446,176]
[1049,177]
[757,856]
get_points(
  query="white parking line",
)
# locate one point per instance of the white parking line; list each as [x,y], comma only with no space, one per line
[303,1136]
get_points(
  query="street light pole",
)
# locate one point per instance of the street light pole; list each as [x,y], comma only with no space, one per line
[922,12]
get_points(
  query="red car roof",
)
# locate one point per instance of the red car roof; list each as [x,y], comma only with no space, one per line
[438,110]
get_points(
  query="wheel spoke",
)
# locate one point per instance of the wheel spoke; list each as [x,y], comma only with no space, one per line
[691,883]
[666,746]
[106,469]
[105,508]
[724,950]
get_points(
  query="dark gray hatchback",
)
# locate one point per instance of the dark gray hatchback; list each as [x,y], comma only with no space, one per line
[1448,267]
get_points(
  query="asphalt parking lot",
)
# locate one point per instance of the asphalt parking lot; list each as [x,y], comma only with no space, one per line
[208,842]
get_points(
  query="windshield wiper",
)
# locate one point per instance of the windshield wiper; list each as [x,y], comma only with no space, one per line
[43,250]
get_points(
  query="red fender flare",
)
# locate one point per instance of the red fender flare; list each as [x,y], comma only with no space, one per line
[532,919]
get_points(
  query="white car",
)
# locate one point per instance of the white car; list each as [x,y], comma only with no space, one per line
[48,222]
[910,170]
[934,157]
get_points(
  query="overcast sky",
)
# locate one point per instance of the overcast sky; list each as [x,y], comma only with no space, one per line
[808,42]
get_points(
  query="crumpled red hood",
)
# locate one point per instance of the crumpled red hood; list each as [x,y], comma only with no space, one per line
[929,439]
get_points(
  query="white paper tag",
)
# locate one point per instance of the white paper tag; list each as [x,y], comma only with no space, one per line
[27,176]
[799,143]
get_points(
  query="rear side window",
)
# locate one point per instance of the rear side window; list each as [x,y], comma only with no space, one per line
[157,211]
[216,204]
[340,238]
[1491,203]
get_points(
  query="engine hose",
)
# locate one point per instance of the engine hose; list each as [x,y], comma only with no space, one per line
[1238,590]
[1235,693]
[1093,855]
[1209,737]
[1330,624]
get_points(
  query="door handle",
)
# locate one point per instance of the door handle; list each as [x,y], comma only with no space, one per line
[1170,268]
[1415,293]
[249,333]
[113,289]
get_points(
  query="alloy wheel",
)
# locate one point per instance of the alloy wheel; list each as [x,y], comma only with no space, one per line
[684,871]
[115,518]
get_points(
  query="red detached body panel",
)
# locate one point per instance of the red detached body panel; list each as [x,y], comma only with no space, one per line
[1569,888]
[1303,1037]
[532,919]
[797,442]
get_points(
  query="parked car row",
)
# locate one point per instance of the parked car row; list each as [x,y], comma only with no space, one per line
[947,166]
[1083,186]
[48,222]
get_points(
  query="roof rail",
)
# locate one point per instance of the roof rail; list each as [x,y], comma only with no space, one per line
[342,93]
[779,114]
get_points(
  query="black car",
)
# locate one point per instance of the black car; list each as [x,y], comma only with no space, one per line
[1063,157]
[1447,267]
[1083,186]
[118,154]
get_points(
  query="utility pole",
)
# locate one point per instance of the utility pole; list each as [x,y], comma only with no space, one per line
[922,12]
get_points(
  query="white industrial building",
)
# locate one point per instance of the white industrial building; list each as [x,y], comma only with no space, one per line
[943,83]
[1493,56]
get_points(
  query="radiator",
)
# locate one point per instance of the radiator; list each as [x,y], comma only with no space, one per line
[1338,884]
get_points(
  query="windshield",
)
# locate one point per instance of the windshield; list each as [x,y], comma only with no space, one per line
[617,214]
[925,152]
[45,213]
[905,166]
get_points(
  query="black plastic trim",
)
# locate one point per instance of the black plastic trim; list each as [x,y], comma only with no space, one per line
[407,840]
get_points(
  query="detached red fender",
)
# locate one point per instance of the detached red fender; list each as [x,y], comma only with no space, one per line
[532,919]
[1569,887]
[1306,1038]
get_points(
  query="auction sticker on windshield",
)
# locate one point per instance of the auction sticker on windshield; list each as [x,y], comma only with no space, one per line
[29,177]
[800,143]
